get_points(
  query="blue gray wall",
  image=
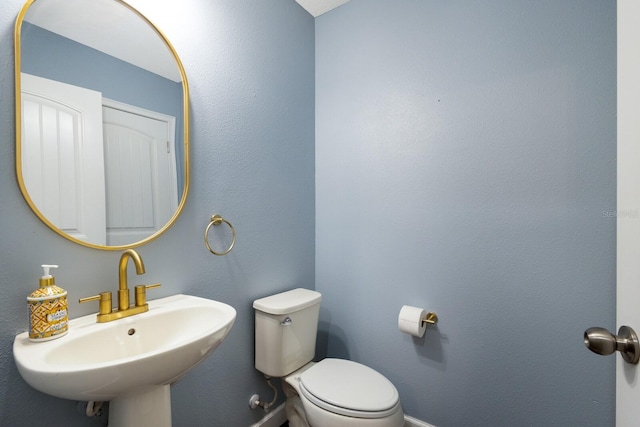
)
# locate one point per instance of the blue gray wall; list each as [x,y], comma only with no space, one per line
[465,163]
[250,66]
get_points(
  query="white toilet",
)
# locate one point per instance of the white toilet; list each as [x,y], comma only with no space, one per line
[329,393]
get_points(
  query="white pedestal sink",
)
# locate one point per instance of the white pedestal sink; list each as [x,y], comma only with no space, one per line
[130,362]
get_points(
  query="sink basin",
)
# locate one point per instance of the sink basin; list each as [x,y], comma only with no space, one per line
[126,359]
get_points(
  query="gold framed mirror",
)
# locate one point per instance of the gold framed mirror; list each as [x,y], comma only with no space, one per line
[102,122]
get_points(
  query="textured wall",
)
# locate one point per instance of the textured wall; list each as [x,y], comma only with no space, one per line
[251,72]
[465,163]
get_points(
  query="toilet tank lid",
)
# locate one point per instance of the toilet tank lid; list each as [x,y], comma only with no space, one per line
[288,302]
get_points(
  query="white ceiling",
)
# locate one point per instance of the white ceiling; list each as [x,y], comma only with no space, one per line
[318,7]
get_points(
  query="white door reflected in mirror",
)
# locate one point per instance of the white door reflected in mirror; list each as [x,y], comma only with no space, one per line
[140,173]
[62,156]
[103,174]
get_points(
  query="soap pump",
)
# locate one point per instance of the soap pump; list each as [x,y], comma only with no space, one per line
[48,309]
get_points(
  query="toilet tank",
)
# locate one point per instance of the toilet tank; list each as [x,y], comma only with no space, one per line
[286,326]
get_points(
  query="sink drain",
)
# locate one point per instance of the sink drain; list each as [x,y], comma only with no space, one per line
[131,331]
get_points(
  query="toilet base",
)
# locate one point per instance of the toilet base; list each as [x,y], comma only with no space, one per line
[319,417]
[294,408]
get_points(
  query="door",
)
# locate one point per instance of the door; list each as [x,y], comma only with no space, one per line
[628,209]
[140,172]
[62,156]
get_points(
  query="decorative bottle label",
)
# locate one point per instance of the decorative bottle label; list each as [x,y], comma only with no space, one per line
[48,314]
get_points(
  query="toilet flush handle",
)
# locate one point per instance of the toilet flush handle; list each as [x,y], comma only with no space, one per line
[287,321]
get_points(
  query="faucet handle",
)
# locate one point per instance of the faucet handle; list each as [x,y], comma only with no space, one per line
[141,293]
[105,301]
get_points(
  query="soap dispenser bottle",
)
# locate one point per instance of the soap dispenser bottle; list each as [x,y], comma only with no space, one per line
[48,309]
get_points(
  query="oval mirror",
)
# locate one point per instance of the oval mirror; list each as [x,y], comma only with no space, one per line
[101,122]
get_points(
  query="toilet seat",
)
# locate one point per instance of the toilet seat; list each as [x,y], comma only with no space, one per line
[349,388]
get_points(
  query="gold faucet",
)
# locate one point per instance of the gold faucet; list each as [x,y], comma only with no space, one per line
[123,288]
[106,312]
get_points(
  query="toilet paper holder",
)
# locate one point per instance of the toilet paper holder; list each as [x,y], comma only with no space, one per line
[430,319]
[414,320]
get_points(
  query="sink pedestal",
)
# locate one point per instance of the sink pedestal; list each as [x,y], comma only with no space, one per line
[149,407]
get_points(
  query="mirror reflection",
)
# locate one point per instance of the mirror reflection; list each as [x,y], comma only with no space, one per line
[102,104]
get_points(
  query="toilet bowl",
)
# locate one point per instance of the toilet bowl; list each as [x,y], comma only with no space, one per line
[343,393]
[328,393]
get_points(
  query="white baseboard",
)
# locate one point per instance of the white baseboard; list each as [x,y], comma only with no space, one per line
[277,417]
[413,422]
[273,418]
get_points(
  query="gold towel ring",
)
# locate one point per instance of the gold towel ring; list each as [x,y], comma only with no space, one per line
[217,220]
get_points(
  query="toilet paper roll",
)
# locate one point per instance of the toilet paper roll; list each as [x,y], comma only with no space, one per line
[410,320]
